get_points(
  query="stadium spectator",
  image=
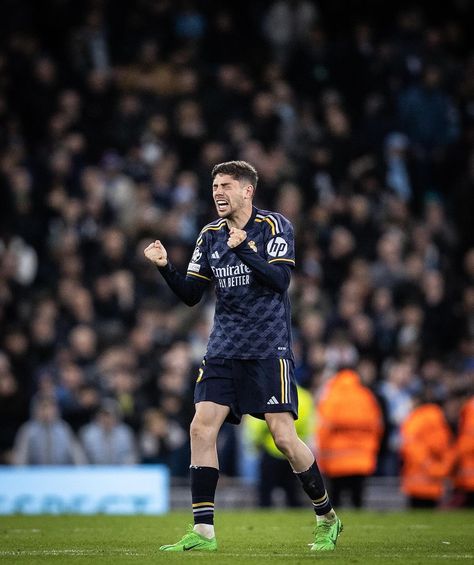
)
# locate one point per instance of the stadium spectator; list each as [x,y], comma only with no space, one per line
[349,428]
[464,469]
[13,409]
[159,437]
[46,439]
[427,451]
[107,440]
[397,393]
[286,25]
[178,411]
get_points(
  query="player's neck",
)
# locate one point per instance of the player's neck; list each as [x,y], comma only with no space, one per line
[240,218]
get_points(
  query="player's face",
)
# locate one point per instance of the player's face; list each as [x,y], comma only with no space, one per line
[230,195]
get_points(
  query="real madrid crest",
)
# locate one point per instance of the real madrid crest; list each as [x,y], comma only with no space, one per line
[252,245]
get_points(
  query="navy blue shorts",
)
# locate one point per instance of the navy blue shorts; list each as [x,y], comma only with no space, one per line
[248,386]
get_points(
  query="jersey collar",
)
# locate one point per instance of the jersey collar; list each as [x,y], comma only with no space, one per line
[251,219]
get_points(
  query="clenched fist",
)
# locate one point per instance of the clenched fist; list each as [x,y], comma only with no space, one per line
[236,237]
[156,253]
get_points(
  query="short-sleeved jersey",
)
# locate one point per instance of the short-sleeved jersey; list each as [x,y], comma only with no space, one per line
[251,320]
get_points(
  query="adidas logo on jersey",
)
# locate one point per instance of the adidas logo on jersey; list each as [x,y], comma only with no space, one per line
[273,400]
[215,255]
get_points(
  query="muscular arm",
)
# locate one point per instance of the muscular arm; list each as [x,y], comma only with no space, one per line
[276,277]
[188,290]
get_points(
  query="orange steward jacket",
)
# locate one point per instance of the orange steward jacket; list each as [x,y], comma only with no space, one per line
[349,427]
[464,477]
[427,452]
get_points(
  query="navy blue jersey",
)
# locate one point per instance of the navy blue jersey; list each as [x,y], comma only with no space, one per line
[251,320]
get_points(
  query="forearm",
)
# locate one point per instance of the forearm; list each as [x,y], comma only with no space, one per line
[276,277]
[189,291]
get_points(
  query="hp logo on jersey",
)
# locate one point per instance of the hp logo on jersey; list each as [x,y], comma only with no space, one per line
[277,247]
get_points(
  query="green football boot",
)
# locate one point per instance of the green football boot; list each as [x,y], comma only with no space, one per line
[326,535]
[192,541]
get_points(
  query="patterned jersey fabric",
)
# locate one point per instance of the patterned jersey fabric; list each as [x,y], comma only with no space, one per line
[251,320]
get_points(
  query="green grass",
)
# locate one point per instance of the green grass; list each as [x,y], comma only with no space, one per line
[244,537]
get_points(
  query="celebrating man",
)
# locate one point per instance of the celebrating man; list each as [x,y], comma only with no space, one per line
[249,366]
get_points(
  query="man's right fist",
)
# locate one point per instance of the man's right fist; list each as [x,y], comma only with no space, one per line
[156,253]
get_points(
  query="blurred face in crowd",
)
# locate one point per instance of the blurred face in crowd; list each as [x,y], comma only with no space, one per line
[290,201]
[16,343]
[468,299]
[312,326]
[342,242]
[400,373]
[114,243]
[231,196]
[382,299]
[367,371]
[156,422]
[469,263]
[123,382]
[359,208]
[171,404]
[8,385]
[432,77]
[83,341]
[88,397]
[107,420]
[412,315]
[45,70]
[414,267]
[389,248]
[433,287]
[361,328]
[46,411]
[71,377]
[42,330]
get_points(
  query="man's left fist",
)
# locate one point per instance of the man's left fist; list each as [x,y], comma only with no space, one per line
[236,237]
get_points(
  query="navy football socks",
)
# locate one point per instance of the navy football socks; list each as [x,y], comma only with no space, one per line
[313,486]
[203,490]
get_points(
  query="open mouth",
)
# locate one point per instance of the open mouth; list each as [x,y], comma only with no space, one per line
[222,205]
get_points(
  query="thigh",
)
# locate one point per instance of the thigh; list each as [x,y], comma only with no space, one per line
[266,386]
[281,424]
[215,385]
[211,415]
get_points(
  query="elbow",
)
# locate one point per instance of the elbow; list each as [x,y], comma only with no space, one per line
[282,286]
[282,281]
[280,289]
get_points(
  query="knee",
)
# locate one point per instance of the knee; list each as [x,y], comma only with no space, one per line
[284,442]
[202,432]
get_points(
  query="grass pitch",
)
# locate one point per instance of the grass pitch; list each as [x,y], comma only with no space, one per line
[243,536]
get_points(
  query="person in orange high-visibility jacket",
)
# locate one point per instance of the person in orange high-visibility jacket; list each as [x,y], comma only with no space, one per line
[427,451]
[348,433]
[464,477]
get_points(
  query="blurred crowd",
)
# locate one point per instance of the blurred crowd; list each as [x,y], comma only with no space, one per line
[360,120]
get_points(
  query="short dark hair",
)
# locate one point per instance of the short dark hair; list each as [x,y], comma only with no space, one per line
[240,170]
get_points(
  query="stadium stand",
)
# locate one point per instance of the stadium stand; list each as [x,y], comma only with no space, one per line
[360,120]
